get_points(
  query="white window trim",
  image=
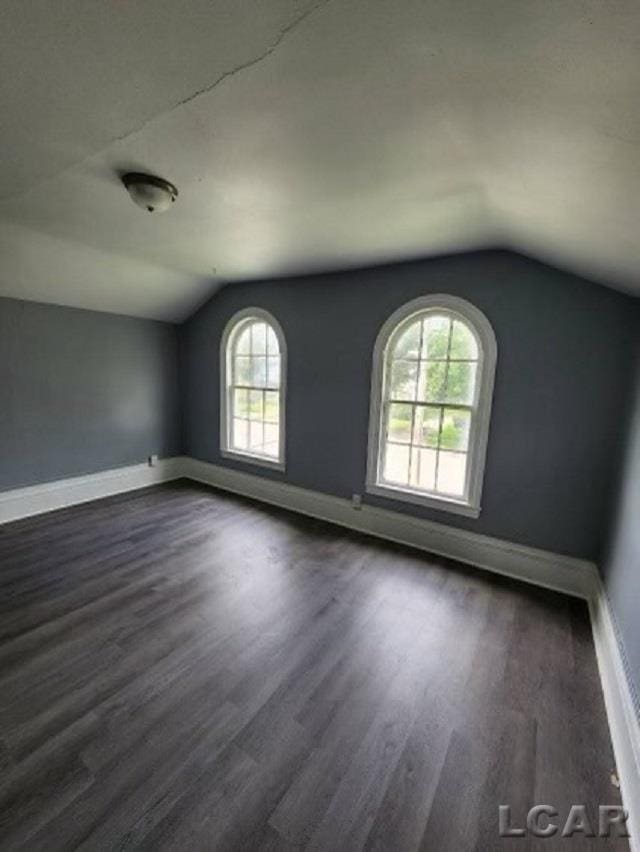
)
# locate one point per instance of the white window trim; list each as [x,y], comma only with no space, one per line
[480,325]
[225,367]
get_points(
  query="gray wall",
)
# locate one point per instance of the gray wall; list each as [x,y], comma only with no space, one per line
[82,392]
[563,364]
[621,563]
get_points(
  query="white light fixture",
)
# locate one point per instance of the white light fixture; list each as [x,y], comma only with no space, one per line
[149,192]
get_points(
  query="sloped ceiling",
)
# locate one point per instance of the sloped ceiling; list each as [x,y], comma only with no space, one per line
[311,134]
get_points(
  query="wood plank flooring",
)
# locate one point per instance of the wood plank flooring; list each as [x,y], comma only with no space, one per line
[182,669]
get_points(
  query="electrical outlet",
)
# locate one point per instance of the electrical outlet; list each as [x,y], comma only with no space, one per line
[152,460]
[356,501]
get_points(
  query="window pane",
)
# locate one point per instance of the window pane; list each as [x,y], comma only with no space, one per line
[432,381]
[461,382]
[242,370]
[272,406]
[243,342]
[271,449]
[256,438]
[455,429]
[273,372]
[403,380]
[272,342]
[451,473]
[463,343]
[239,435]
[255,405]
[408,344]
[396,464]
[241,403]
[399,426]
[423,468]
[258,371]
[259,338]
[435,340]
[427,426]
[271,435]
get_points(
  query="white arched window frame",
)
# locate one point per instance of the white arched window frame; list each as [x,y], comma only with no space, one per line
[475,413]
[253,375]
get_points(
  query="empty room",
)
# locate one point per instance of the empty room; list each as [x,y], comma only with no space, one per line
[320,425]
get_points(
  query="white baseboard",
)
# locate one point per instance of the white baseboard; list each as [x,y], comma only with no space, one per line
[561,573]
[542,568]
[623,720]
[35,499]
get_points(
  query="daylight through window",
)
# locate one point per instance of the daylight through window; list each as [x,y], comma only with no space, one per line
[254,398]
[432,408]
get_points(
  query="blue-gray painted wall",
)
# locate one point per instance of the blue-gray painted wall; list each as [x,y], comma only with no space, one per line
[561,382]
[621,563]
[82,391]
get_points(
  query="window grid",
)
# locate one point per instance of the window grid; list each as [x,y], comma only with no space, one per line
[417,444]
[413,411]
[254,429]
[446,386]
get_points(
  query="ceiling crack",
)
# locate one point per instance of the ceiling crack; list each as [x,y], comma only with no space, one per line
[251,62]
[243,66]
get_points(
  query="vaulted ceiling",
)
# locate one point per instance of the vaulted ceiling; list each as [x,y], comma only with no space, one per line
[308,135]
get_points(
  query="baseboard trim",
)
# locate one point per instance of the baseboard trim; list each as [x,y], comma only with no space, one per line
[624,724]
[36,499]
[560,573]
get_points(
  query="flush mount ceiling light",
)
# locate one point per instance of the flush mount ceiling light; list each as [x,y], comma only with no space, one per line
[150,192]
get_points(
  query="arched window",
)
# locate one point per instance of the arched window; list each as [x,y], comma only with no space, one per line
[253,375]
[432,384]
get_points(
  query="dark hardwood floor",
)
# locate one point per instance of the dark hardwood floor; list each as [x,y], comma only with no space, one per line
[182,669]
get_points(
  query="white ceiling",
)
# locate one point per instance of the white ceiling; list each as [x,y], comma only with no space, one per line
[308,135]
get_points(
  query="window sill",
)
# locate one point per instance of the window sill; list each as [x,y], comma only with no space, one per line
[442,504]
[247,458]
